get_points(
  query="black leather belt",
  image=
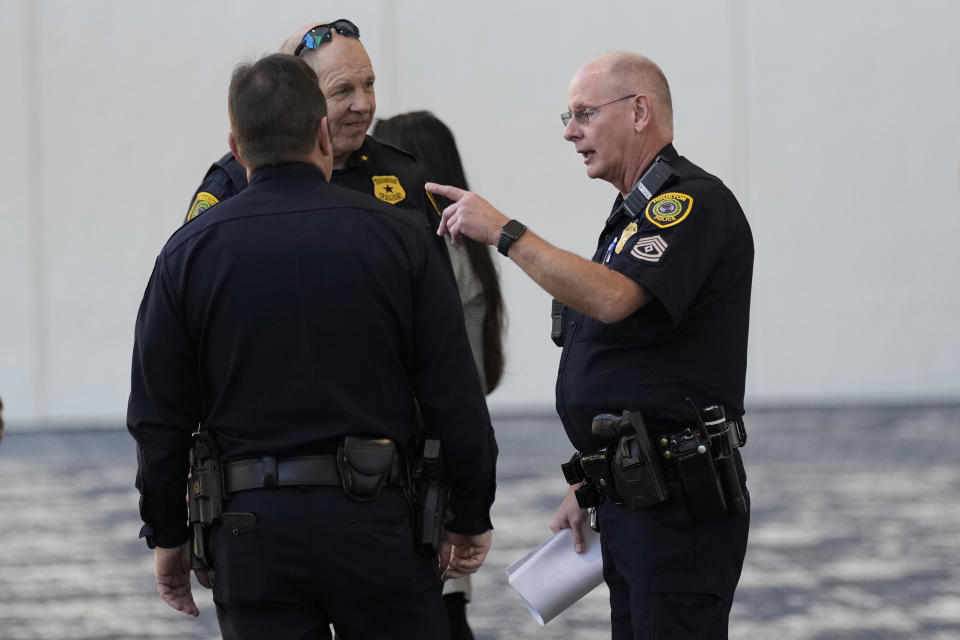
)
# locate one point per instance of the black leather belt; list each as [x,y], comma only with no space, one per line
[266,472]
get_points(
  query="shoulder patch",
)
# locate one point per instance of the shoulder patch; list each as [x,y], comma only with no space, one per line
[649,249]
[669,209]
[388,189]
[201,203]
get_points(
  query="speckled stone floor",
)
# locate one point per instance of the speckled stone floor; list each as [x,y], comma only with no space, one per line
[855,533]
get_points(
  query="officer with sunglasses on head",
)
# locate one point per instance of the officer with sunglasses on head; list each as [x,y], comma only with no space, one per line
[657,317]
[360,162]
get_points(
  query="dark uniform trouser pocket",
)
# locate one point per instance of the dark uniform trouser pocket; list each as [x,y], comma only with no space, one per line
[236,548]
[686,608]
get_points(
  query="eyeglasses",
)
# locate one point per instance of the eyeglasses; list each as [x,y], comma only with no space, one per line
[583,115]
[324,33]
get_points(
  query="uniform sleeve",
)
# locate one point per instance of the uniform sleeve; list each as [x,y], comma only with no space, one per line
[163,410]
[451,398]
[217,186]
[672,262]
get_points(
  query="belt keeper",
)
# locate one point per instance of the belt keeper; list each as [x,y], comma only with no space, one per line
[269,466]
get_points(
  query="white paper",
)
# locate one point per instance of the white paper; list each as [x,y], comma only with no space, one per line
[554,576]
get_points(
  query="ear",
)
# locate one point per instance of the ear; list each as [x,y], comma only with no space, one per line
[642,114]
[323,137]
[233,149]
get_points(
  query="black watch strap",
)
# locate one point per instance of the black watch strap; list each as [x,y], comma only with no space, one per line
[509,234]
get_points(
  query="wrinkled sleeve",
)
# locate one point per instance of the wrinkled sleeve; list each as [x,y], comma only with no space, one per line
[163,410]
[451,398]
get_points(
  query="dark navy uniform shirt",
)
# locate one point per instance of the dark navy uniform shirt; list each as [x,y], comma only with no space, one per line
[289,316]
[692,249]
[377,168]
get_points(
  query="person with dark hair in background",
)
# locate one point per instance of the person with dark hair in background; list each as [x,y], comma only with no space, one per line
[295,324]
[431,142]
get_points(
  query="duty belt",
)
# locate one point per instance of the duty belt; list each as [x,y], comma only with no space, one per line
[268,471]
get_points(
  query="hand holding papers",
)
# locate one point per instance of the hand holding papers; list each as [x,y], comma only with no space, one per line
[554,576]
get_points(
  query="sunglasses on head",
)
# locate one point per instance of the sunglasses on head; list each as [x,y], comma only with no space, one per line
[324,33]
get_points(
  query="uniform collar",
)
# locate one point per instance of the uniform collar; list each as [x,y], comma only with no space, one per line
[286,170]
[668,154]
[616,204]
[358,158]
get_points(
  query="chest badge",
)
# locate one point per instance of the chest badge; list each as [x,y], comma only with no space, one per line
[202,202]
[649,249]
[388,189]
[626,235]
[669,209]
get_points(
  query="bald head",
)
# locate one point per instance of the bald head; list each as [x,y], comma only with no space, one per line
[626,72]
[620,116]
[290,44]
[346,78]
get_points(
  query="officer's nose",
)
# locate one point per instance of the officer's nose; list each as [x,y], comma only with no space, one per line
[363,103]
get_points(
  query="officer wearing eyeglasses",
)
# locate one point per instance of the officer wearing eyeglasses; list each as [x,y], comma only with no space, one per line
[295,323]
[657,316]
[360,162]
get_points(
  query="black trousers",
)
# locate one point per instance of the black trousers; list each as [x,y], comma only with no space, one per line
[671,577]
[313,558]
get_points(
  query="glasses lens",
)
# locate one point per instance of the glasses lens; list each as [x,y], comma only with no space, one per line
[346,28]
[324,33]
[565,117]
[317,36]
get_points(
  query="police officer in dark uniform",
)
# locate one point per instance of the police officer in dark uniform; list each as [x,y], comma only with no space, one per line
[296,323]
[654,334]
[360,162]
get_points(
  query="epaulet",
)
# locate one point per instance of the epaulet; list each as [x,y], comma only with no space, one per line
[230,164]
[387,145]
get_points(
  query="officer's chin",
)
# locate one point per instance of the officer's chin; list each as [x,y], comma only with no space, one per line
[352,140]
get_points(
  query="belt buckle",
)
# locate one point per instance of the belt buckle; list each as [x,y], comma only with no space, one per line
[268,465]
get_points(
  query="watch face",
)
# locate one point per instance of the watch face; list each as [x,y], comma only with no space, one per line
[508,234]
[513,229]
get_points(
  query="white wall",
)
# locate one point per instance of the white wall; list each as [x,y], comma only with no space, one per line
[834,122]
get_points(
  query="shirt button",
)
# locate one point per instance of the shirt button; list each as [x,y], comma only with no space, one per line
[571,323]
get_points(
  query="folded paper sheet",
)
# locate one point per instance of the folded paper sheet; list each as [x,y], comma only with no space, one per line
[553,576]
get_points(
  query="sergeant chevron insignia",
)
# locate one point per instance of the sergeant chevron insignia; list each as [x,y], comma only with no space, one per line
[388,189]
[669,209]
[649,249]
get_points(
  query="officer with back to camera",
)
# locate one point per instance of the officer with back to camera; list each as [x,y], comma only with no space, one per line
[295,323]
[651,377]
[360,162]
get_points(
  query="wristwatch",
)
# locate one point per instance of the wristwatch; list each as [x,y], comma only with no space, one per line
[509,234]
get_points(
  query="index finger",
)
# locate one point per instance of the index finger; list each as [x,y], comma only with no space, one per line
[445,190]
